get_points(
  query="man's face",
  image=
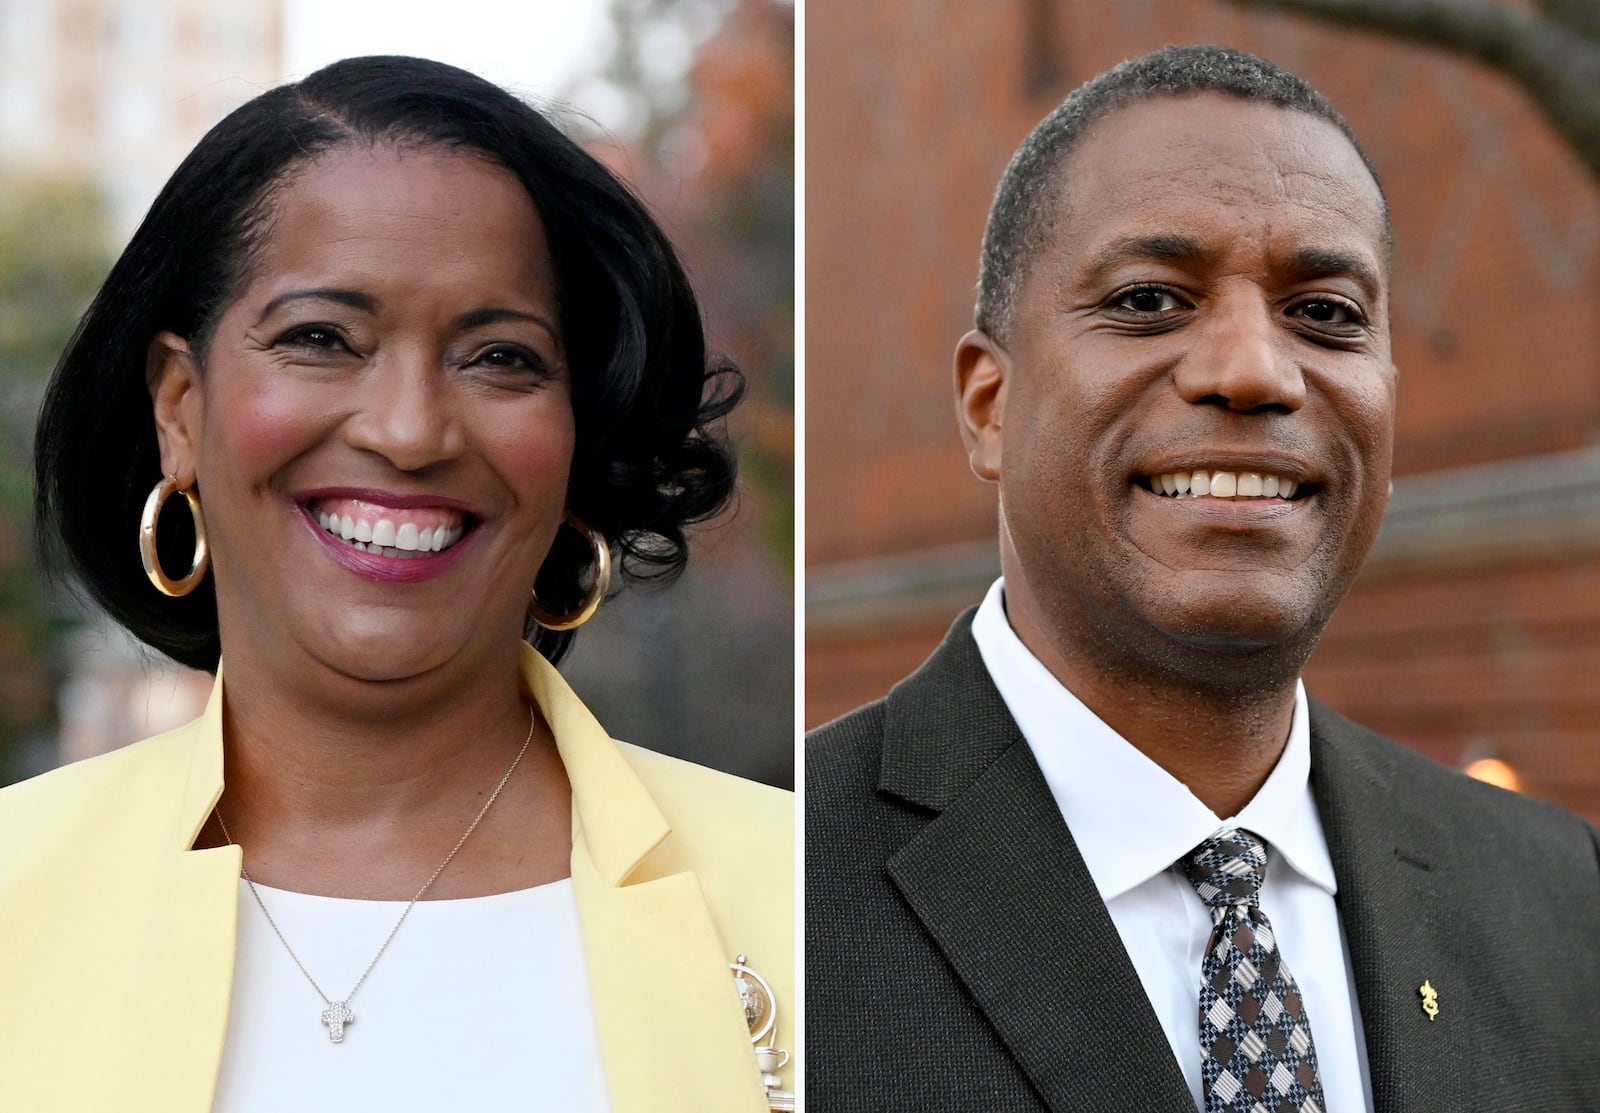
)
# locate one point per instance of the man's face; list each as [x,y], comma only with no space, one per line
[1211,297]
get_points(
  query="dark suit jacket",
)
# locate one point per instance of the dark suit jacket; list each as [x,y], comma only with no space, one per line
[958,956]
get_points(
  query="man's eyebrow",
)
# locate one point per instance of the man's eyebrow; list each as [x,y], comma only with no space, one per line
[1163,248]
[355,299]
[1318,262]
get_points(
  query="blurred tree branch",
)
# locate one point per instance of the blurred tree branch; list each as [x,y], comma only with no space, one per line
[712,149]
[1551,49]
[705,134]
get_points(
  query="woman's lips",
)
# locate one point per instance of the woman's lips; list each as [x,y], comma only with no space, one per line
[392,563]
[401,532]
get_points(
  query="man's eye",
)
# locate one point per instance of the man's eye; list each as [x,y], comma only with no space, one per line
[1322,311]
[1147,299]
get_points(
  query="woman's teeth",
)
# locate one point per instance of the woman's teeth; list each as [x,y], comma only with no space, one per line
[1223,485]
[383,537]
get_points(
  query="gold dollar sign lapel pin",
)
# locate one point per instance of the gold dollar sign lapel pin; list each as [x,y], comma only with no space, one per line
[1430,999]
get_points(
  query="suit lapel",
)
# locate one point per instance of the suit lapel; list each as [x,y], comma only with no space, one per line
[1388,858]
[672,1034]
[998,884]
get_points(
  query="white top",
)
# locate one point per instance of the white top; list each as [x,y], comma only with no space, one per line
[1132,820]
[479,1004]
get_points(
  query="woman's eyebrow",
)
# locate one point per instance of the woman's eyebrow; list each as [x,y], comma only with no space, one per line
[355,299]
[366,303]
[479,317]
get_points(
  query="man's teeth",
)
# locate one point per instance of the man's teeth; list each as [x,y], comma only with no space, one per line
[1223,485]
[384,537]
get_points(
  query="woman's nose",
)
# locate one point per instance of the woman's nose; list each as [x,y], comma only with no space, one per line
[407,413]
[1243,360]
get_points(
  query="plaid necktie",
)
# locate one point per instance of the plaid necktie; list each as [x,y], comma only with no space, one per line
[1255,1039]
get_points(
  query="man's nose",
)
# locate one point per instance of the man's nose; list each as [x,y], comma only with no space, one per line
[407,413]
[1244,360]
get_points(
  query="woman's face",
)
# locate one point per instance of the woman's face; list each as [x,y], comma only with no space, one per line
[381,426]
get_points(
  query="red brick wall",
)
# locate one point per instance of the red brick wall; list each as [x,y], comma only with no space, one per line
[1500,662]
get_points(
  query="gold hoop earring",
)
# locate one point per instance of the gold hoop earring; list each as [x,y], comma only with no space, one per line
[147,540]
[590,603]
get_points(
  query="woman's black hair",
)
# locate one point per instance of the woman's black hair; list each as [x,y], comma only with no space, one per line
[647,403]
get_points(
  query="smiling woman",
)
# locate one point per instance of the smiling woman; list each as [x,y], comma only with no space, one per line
[421,369]
[347,382]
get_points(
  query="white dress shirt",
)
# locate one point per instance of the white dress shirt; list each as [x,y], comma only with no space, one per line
[1132,820]
[481,1003]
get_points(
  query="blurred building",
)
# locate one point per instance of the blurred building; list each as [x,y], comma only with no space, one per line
[108,95]
[120,690]
[119,92]
[1475,630]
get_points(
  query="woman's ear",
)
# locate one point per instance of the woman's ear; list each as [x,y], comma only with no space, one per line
[173,375]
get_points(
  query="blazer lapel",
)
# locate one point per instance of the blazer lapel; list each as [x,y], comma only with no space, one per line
[672,1033]
[997,882]
[1388,858]
[163,922]
[175,915]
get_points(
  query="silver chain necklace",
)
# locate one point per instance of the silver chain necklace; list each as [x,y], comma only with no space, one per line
[338,1014]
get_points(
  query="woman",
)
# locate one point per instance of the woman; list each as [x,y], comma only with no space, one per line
[419,369]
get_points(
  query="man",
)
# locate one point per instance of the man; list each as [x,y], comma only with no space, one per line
[1100,852]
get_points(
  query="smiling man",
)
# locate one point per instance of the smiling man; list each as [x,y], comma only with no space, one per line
[1101,852]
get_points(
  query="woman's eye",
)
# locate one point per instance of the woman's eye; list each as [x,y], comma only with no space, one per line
[1148,299]
[314,336]
[512,357]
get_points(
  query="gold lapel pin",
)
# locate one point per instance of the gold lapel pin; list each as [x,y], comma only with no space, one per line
[1430,999]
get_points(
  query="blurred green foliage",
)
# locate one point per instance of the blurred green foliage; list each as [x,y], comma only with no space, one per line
[53,255]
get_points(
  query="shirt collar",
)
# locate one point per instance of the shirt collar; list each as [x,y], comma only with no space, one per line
[1130,818]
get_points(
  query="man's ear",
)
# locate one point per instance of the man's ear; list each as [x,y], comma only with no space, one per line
[173,375]
[982,371]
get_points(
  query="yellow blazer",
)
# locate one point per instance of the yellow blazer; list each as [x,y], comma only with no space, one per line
[117,939]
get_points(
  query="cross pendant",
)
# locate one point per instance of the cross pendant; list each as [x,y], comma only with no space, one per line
[336,1016]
